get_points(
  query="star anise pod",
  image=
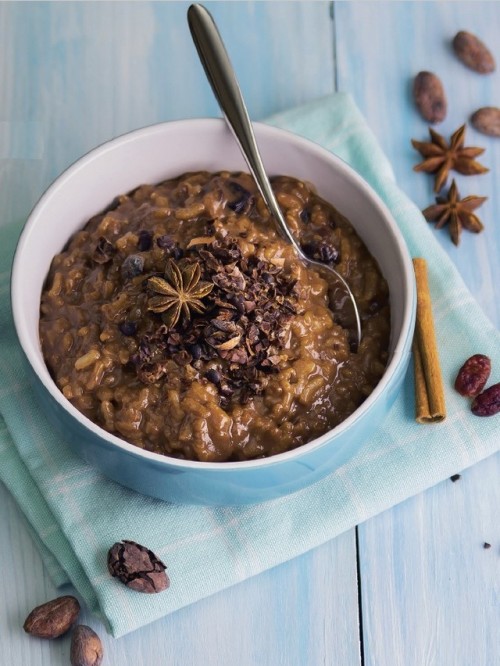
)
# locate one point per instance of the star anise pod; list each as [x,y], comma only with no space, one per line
[179,292]
[440,158]
[456,212]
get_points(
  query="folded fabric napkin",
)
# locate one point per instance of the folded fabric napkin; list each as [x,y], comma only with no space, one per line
[76,514]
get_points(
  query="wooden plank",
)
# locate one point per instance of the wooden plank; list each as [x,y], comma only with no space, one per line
[380,48]
[73,75]
[303,612]
[76,74]
[430,593]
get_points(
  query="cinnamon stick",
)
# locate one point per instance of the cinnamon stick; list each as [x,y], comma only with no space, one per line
[429,391]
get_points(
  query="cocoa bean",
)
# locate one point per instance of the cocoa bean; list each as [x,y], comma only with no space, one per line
[429,96]
[86,647]
[473,52]
[53,618]
[137,567]
[487,120]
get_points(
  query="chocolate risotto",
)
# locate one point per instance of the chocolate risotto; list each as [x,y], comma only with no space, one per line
[179,320]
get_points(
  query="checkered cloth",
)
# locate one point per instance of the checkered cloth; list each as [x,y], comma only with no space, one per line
[75,514]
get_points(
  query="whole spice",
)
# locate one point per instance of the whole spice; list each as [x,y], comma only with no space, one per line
[455,212]
[473,375]
[473,52]
[137,567]
[487,403]
[179,292]
[429,96]
[242,329]
[429,391]
[440,157]
[86,647]
[53,618]
[487,120]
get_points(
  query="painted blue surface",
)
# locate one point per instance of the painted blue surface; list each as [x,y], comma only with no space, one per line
[77,74]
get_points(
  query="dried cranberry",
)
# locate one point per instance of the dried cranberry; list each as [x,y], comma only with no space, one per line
[145,239]
[487,403]
[473,375]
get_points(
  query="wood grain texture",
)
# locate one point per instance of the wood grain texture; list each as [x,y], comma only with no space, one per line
[303,612]
[75,74]
[71,76]
[430,592]
[381,46]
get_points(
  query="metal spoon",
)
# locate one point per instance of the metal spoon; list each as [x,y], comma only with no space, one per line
[222,78]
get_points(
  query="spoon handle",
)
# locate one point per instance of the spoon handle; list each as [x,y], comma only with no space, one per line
[222,78]
[220,73]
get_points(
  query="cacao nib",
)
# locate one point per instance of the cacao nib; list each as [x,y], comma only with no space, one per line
[132,266]
[240,327]
[165,242]
[104,251]
[170,247]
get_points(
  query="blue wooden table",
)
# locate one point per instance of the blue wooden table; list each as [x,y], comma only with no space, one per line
[410,587]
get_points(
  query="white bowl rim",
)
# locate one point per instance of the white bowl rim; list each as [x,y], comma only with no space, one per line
[40,369]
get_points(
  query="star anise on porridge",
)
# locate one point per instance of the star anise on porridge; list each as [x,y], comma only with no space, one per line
[180,292]
[456,212]
[440,157]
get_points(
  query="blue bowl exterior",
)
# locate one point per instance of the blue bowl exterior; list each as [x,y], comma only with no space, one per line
[216,486]
[202,483]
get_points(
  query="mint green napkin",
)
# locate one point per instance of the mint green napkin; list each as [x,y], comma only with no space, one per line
[76,514]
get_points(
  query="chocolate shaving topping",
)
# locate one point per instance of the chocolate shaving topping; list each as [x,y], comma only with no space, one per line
[235,340]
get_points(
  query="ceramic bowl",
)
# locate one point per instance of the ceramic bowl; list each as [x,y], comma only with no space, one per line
[165,151]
